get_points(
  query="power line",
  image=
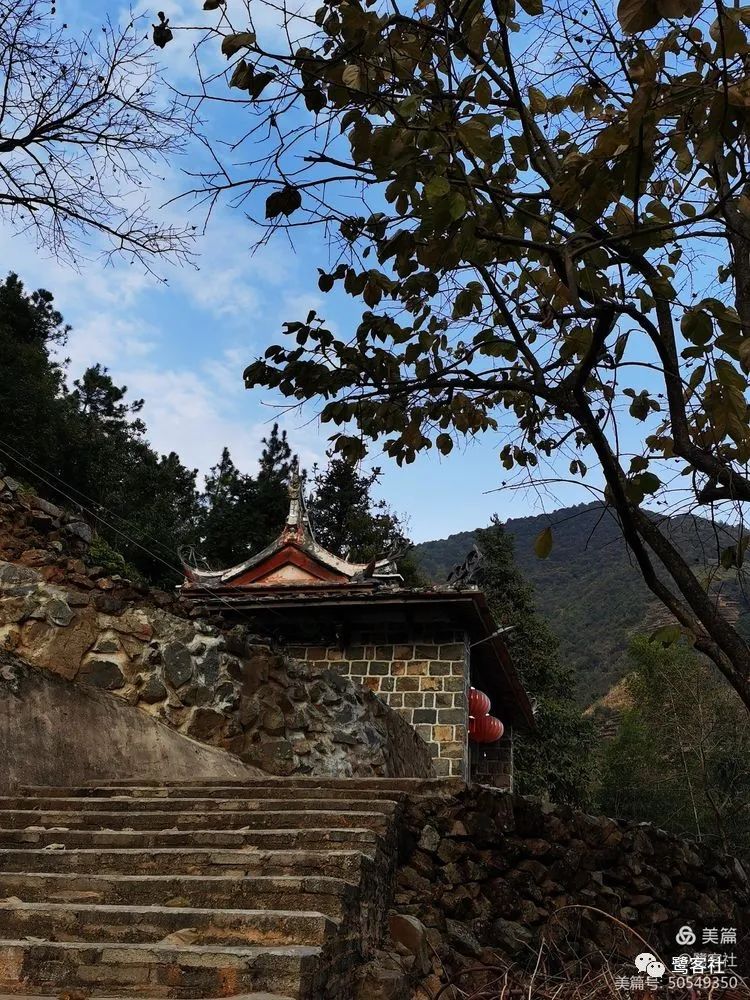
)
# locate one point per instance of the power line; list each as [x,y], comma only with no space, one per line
[144,548]
[80,493]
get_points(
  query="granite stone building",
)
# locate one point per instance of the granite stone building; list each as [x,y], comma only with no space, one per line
[419,649]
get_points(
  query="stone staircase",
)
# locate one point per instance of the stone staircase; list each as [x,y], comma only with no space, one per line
[267,889]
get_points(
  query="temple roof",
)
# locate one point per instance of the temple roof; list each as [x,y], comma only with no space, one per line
[295,560]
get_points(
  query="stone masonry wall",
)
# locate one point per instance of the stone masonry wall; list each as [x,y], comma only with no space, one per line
[488,880]
[421,673]
[228,689]
[492,763]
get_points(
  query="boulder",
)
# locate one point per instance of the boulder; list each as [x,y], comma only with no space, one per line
[37,503]
[152,690]
[410,933]
[13,575]
[462,939]
[80,530]
[509,935]
[56,649]
[57,612]
[205,724]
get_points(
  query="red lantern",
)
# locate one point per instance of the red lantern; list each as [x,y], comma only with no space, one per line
[479,703]
[485,729]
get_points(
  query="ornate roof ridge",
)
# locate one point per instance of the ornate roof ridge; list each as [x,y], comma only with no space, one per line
[298,534]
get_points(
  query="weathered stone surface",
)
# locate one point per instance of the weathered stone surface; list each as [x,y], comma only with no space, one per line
[152,690]
[378,982]
[493,899]
[461,938]
[410,933]
[512,937]
[18,609]
[57,612]
[227,689]
[80,530]
[178,664]
[37,557]
[59,650]
[272,720]
[10,636]
[205,724]
[105,674]
[13,575]
[38,503]
[429,839]
[107,643]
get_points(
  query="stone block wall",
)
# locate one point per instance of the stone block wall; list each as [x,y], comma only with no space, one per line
[492,763]
[421,673]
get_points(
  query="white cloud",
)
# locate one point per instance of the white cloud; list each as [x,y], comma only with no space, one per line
[194,414]
[108,340]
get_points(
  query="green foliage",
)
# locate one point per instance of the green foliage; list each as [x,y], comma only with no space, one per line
[588,588]
[557,760]
[30,382]
[680,758]
[241,513]
[87,445]
[521,192]
[101,553]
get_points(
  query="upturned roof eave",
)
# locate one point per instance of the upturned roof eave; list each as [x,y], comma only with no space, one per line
[311,548]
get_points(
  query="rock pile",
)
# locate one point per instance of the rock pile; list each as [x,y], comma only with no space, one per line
[490,876]
[227,689]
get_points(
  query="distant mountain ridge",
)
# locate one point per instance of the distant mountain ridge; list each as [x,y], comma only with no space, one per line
[588,589]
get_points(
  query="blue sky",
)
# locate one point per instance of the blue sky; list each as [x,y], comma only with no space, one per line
[183,346]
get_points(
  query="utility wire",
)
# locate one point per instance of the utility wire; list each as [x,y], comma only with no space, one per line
[79,493]
[123,534]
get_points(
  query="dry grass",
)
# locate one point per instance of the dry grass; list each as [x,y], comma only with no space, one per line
[550,973]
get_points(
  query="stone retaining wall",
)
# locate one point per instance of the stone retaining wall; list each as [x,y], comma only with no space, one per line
[490,877]
[419,672]
[225,689]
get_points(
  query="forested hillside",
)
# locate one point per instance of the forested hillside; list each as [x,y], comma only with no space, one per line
[84,445]
[593,597]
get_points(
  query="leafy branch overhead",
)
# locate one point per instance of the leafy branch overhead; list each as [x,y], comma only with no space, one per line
[544,213]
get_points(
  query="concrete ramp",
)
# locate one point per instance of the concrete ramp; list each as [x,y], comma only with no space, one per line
[54,732]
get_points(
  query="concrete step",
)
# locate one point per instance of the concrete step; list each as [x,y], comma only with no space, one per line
[260,889]
[203,861]
[142,924]
[331,896]
[189,820]
[119,996]
[195,788]
[319,800]
[284,839]
[162,970]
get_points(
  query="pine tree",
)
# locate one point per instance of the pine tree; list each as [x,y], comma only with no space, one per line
[87,446]
[220,541]
[242,514]
[270,495]
[31,382]
[350,522]
[556,761]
